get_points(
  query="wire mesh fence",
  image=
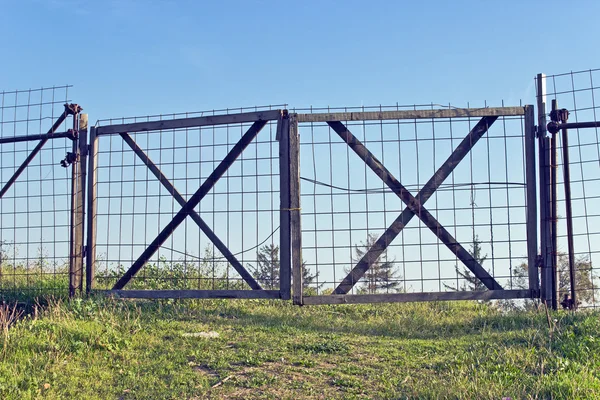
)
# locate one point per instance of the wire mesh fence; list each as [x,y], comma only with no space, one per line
[34,208]
[346,206]
[579,93]
[133,205]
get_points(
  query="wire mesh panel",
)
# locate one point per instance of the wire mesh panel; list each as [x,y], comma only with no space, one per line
[35,202]
[143,178]
[579,93]
[348,203]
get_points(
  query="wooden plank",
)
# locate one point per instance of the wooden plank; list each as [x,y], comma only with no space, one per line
[182,123]
[416,297]
[415,207]
[191,294]
[297,272]
[413,114]
[285,273]
[193,214]
[233,154]
[407,214]
[90,262]
[531,186]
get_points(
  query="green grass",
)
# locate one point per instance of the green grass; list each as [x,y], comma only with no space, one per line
[112,349]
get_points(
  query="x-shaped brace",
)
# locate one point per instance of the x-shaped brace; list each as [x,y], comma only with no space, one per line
[414,205]
[188,209]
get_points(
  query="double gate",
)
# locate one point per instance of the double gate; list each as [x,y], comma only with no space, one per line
[319,206]
[235,205]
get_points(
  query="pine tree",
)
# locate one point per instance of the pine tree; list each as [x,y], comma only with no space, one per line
[472,283]
[382,274]
[266,271]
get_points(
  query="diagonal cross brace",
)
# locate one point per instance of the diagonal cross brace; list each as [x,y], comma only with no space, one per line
[70,109]
[414,206]
[193,214]
[189,206]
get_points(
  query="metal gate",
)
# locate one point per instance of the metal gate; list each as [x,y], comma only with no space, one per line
[569,153]
[190,207]
[476,238]
[42,176]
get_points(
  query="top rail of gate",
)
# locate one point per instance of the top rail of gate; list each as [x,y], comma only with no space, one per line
[411,114]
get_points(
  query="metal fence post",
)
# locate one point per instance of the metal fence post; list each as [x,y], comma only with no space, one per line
[80,124]
[532,237]
[554,214]
[90,253]
[544,173]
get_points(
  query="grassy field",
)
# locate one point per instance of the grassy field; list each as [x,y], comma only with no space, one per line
[112,349]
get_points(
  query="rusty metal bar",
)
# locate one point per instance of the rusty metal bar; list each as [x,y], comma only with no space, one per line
[192,202]
[70,109]
[80,123]
[28,138]
[92,178]
[554,214]
[554,126]
[415,207]
[569,209]
[531,184]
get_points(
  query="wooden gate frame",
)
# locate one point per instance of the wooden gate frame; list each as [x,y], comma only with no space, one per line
[415,206]
[258,120]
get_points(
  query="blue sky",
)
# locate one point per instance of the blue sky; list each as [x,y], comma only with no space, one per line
[134,57]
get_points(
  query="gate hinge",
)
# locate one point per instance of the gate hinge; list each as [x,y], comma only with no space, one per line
[539,261]
[69,159]
[84,251]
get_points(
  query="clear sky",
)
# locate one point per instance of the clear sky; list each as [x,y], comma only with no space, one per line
[133,57]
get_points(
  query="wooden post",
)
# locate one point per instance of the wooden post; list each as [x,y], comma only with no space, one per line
[285,273]
[296,228]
